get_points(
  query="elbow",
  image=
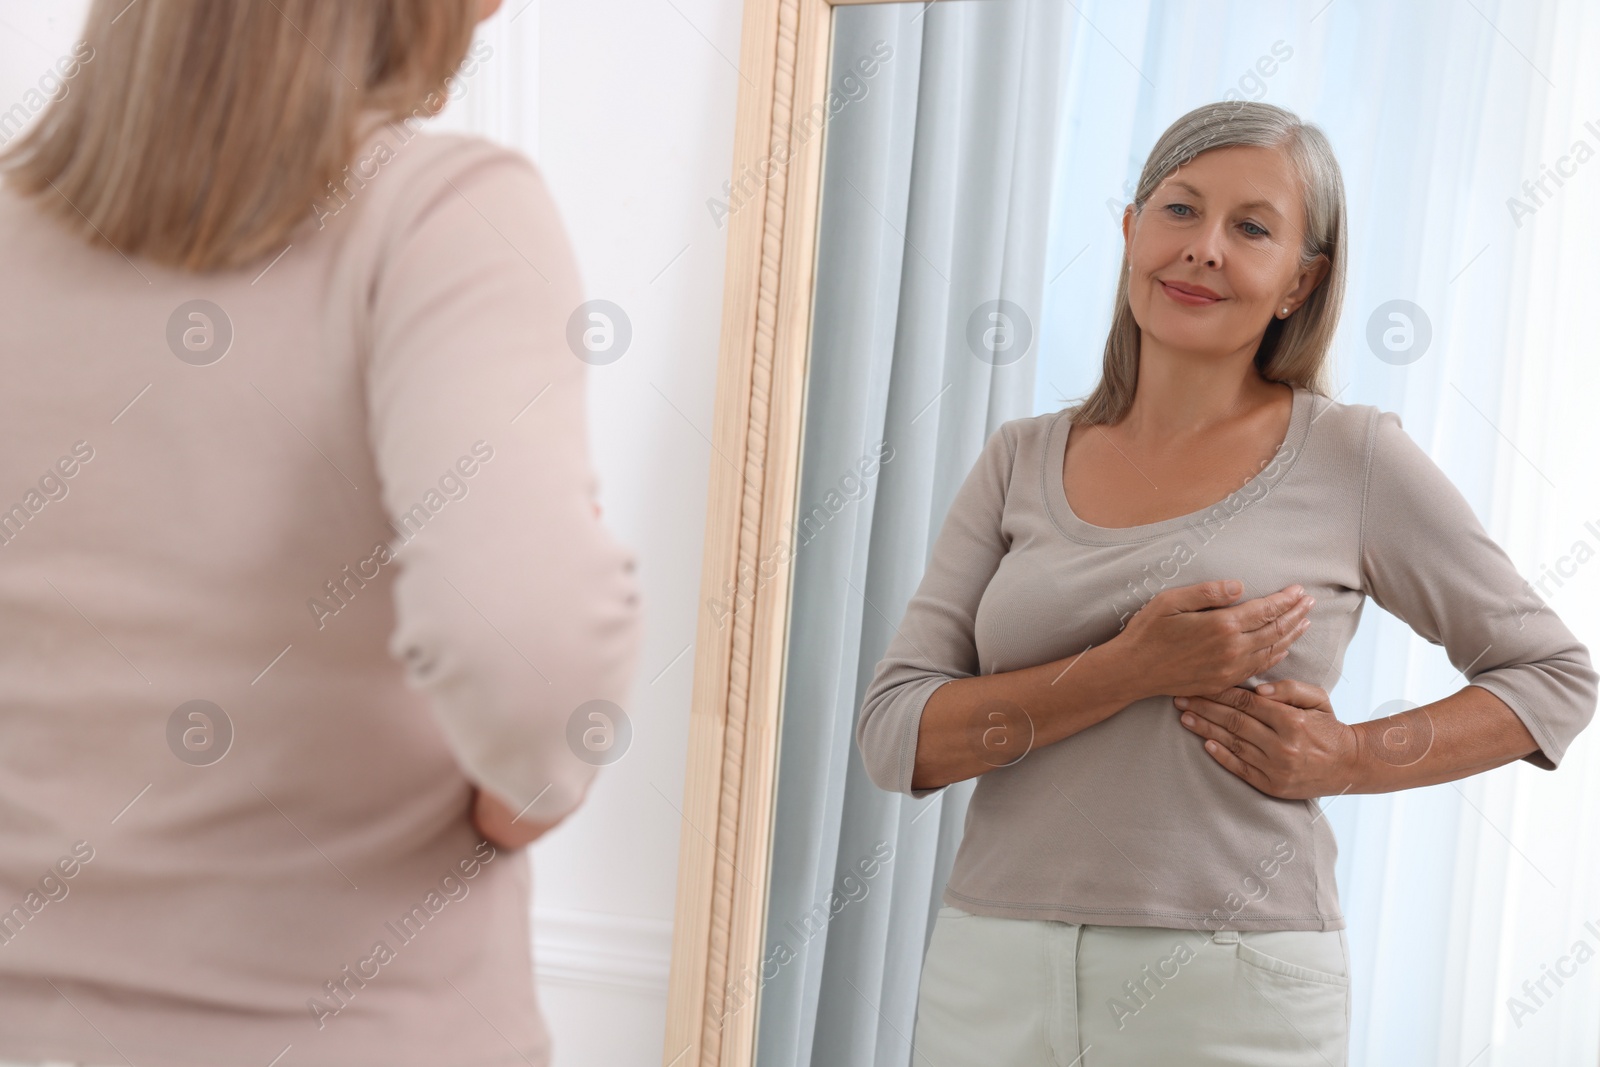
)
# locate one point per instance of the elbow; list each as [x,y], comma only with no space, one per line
[889,732]
[533,709]
[1583,690]
[888,750]
[876,749]
[564,791]
[1554,698]
[535,750]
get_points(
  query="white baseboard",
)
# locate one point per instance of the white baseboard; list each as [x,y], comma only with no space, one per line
[591,948]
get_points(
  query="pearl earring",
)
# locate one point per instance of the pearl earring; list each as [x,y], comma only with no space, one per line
[1284,312]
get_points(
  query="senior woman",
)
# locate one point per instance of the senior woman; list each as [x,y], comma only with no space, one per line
[1145,876]
[308,613]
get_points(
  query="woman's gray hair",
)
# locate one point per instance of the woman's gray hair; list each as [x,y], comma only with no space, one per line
[1295,349]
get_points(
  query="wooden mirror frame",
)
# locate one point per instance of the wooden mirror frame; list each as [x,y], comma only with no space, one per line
[741,633]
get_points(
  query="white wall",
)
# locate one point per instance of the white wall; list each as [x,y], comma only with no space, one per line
[628,108]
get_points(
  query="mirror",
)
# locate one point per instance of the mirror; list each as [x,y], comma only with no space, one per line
[926,245]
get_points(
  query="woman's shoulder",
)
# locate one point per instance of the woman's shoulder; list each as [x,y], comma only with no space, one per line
[1354,443]
[402,175]
[423,143]
[401,170]
[1346,427]
[1014,439]
[406,158]
[1028,429]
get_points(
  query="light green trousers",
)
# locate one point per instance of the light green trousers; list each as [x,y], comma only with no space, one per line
[1040,993]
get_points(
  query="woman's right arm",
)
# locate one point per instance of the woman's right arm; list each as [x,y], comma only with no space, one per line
[933,642]
[973,725]
[514,606]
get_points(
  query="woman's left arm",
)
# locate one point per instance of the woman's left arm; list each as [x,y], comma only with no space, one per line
[1426,558]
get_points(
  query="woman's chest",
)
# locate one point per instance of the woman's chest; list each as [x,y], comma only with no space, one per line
[1111,485]
[1053,597]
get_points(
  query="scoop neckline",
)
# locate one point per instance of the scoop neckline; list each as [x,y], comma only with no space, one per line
[1252,492]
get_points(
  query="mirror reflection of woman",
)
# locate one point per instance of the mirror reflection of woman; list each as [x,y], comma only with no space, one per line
[303,649]
[1127,631]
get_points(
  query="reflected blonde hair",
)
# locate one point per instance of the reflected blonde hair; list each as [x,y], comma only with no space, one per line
[204,130]
[1294,350]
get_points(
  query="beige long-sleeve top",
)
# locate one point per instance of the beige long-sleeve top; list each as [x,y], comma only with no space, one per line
[348,503]
[1130,822]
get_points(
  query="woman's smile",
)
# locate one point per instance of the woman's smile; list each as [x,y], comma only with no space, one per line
[1188,295]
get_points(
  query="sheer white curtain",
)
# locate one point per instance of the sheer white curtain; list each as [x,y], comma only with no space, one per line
[1457,894]
[936,183]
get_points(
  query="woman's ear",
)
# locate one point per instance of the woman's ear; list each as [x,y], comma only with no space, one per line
[1310,278]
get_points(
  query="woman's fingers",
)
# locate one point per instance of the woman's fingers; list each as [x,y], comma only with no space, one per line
[1200,718]
[1266,737]
[1298,693]
[1275,645]
[1293,631]
[1225,716]
[1274,639]
[1273,610]
[1282,630]
[1240,767]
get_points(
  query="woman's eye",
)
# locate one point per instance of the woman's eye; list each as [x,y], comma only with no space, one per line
[1184,211]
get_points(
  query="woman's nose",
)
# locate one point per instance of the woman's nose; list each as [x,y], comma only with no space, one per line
[1205,247]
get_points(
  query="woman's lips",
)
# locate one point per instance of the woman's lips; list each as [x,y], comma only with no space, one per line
[1190,299]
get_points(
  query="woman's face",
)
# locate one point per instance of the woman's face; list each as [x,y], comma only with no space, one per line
[1229,222]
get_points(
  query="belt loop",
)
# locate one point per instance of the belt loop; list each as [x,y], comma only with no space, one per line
[1225,937]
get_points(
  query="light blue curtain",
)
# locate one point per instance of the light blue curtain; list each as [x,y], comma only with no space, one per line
[935,190]
[1439,111]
